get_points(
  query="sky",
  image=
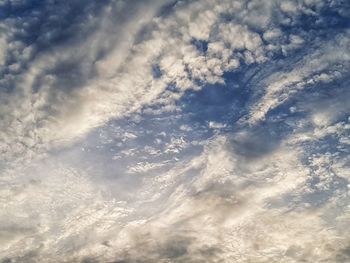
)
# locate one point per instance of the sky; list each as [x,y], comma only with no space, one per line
[164,131]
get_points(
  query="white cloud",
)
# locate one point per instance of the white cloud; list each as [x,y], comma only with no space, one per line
[208,206]
[241,192]
[120,82]
[316,68]
[53,209]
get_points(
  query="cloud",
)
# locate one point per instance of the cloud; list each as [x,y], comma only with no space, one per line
[246,193]
[112,150]
[247,223]
[104,72]
[53,209]
[319,67]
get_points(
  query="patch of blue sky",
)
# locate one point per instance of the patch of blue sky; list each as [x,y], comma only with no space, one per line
[201,45]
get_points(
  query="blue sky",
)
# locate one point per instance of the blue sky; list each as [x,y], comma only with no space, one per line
[174,131]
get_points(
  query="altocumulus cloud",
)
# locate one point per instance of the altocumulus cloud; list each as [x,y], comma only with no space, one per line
[174,131]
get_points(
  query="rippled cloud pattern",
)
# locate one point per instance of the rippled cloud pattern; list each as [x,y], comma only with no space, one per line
[174,131]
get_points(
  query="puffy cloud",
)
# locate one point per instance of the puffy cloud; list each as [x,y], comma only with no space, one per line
[104,72]
[248,220]
[103,160]
[52,209]
[320,67]
[255,196]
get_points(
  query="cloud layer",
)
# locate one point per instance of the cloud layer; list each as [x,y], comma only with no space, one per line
[174,131]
